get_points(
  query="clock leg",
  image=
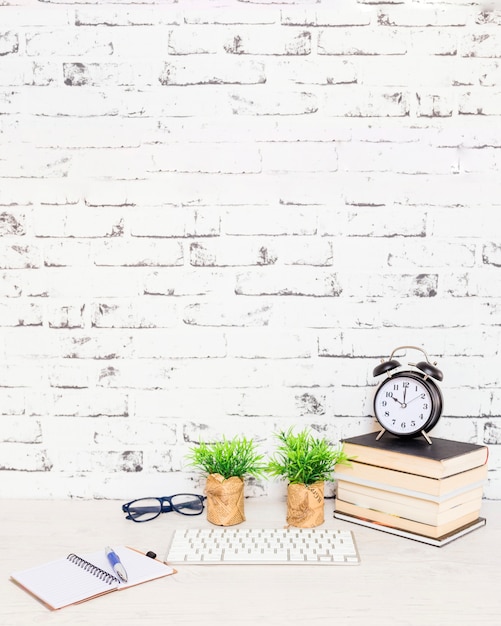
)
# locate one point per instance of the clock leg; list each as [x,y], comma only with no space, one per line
[381,434]
[425,435]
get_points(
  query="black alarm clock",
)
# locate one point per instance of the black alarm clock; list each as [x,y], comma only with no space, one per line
[408,403]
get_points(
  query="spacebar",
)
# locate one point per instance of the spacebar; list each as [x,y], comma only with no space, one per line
[256,557]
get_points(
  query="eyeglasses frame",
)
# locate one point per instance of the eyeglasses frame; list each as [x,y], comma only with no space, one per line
[166,506]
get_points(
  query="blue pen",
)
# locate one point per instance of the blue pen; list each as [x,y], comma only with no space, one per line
[116,564]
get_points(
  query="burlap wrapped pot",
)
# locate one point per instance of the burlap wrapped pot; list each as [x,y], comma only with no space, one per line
[225,500]
[305,505]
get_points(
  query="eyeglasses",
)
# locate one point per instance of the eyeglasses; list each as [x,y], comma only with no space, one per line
[146,509]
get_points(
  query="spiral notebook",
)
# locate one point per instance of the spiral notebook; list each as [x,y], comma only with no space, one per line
[77,578]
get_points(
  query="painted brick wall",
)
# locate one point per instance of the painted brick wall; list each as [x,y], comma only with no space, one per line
[216,217]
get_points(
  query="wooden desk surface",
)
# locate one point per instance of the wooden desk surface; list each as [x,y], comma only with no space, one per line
[399,582]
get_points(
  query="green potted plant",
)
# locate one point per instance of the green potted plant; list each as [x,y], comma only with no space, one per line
[306,462]
[226,463]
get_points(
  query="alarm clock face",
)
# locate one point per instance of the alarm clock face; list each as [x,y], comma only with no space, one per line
[407,404]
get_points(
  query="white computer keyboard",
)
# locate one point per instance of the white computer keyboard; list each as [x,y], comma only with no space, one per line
[238,545]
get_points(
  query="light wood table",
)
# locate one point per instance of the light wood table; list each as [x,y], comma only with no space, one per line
[398,583]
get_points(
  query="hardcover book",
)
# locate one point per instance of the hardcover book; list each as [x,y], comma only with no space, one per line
[438,541]
[436,489]
[441,459]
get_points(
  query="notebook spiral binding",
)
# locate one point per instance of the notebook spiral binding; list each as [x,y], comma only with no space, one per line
[93,569]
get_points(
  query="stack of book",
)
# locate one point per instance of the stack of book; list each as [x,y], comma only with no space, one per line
[432,493]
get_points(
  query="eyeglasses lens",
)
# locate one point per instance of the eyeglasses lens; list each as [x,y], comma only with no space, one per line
[187,504]
[144,509]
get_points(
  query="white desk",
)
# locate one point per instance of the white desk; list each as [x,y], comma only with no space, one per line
[398,583]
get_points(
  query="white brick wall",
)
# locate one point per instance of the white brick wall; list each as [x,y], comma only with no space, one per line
[217,217]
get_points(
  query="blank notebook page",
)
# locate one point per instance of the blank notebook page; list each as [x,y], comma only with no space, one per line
[61,582]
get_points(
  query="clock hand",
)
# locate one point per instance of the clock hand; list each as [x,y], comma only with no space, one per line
[401,403]
[415,398]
